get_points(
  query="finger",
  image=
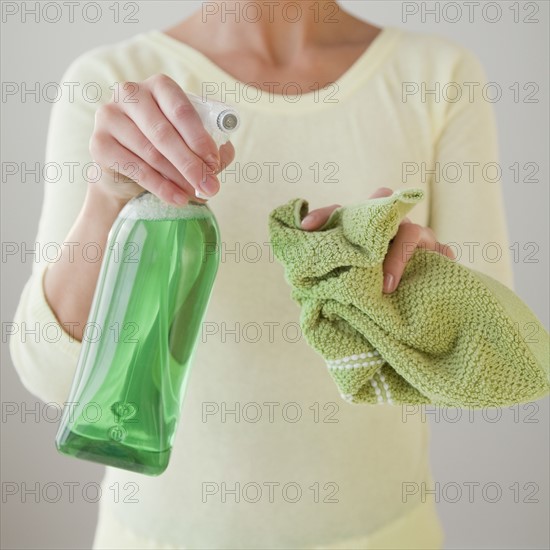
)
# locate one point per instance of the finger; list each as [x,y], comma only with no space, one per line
[400,251]
[408,239]
[181,112]
[125,131]
[316,218]
[154,125]
[428,241]
[178,108]
[386,192]
[227,155]
[381,192]
[438,247]
[134,168]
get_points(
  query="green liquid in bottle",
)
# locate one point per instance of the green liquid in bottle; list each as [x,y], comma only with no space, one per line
[152,293]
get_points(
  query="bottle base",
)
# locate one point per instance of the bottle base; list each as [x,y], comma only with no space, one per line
[113,454]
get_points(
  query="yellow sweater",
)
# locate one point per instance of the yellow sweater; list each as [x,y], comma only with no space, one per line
[267,454]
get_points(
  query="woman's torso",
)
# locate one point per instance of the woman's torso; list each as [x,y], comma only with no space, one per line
[241,456]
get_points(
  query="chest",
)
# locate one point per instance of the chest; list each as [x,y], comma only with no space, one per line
[337,155]
[309,71]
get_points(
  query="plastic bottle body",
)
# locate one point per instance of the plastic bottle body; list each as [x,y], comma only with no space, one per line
[153,290]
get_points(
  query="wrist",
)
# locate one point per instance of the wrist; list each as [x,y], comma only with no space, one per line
[101,205]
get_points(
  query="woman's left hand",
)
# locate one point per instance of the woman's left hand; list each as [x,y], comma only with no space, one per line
[410,234]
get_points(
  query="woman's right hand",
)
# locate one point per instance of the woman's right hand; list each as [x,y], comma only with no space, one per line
[149,136]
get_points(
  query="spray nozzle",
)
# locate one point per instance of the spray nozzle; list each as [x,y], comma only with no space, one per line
[220,120]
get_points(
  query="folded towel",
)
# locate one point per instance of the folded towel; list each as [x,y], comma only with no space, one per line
[448,335]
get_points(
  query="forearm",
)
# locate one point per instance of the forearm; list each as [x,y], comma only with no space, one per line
[69,283]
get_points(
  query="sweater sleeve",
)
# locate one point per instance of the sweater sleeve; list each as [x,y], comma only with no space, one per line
[467,206]
[43,353]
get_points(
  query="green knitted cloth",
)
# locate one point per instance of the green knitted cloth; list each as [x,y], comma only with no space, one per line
[448,335]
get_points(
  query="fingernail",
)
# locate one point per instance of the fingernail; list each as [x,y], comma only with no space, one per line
[209,186]
[307,220]
[199,195]
[388,282]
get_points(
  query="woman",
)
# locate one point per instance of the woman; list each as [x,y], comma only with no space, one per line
[324,117]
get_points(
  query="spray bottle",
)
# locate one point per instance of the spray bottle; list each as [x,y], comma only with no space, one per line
[154,286]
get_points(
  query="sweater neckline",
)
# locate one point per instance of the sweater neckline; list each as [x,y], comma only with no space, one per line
[293,99]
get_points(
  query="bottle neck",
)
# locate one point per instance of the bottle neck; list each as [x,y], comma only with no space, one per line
[147,206]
